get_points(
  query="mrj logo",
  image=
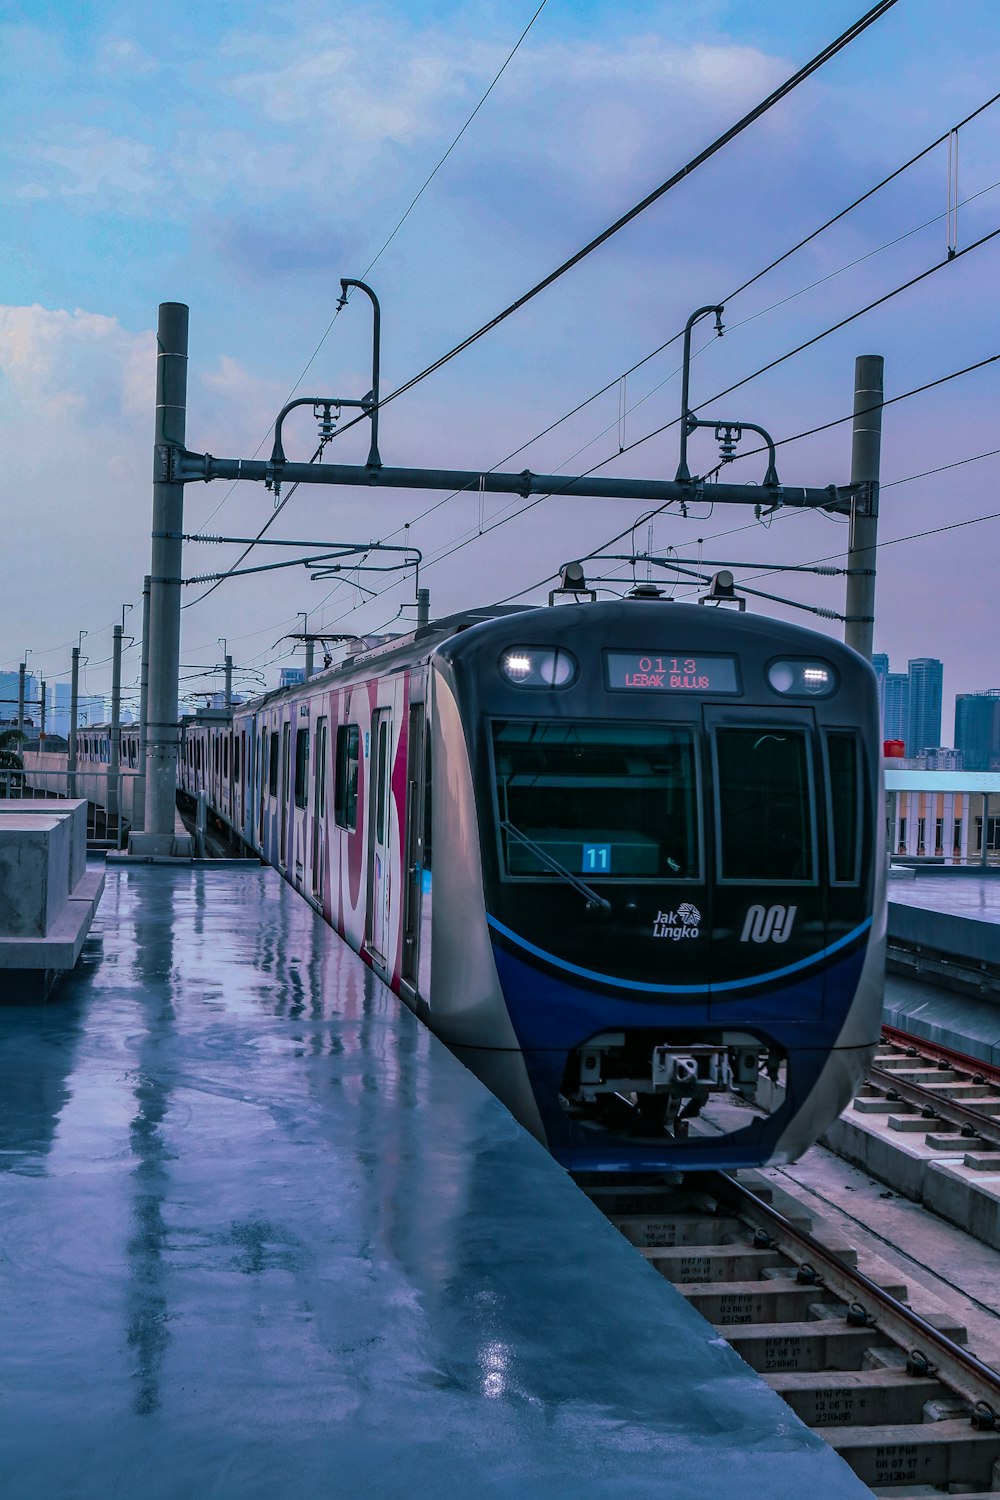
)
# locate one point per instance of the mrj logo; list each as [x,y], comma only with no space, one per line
[773,925]
[685,922]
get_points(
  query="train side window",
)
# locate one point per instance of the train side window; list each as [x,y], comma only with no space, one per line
[272,777]
[843,755]
[225,756]
[301,767]
[345,799]
[764,813]
[236,758]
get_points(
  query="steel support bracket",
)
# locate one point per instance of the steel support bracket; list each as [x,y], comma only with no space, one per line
[167,463]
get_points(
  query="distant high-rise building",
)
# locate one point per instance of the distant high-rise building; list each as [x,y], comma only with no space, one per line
[90,709]
[977,729]
[291,676]
[57,713]
[924,727]
[896,710]
[880,662]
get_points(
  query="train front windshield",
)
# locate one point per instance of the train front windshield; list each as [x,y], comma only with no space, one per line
[597,799]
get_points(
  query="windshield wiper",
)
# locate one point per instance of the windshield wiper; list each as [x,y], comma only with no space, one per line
[591,896]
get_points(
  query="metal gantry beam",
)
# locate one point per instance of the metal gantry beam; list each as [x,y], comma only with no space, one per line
[184,467]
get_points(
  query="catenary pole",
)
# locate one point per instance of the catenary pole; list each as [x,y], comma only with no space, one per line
[20,697]
[866,447]
[41,714]
[229,682]
[139,785]
[164,586]
[114,757]
[74,708]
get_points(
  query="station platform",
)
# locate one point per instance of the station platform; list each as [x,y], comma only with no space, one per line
[262,1236]
[951,910]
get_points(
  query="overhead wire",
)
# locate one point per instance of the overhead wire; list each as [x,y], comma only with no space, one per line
[775,97]
[771,364]
[750,281]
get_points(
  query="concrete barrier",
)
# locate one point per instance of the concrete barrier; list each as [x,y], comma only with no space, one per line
[48,897]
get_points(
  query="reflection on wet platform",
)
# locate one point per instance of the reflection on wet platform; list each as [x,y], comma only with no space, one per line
[261,1235]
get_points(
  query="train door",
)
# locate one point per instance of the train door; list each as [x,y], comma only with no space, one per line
[262,761]
[414,843]
[284,792]
[243,781]
[380,796]
[769,908]
[300,810]
[319,809]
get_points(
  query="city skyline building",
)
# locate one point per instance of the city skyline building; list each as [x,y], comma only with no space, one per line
[896,708]
[926,675]
[977,729]
[880,665]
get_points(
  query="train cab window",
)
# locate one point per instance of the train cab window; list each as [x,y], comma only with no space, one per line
[618,801]
[843,760]
[345,796]
[764,805]
[301,767]
[272,770]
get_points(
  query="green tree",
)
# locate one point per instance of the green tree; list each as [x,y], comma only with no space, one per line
[9,758]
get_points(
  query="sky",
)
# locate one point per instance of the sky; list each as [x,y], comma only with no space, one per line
[245,157]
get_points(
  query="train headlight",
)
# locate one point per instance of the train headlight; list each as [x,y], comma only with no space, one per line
[539,666]
[802,679]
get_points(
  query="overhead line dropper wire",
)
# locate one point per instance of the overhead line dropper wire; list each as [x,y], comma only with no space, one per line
[781,92]
[732,327]
[791,83]
[831,50]
[763,369]
[778,94]
[874,14]
[750,281]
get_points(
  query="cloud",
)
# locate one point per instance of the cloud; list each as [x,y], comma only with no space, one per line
[95,164]
[56,361]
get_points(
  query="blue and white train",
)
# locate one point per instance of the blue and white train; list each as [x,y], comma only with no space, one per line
[624,858]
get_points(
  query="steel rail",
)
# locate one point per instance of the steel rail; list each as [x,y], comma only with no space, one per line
[956,1367]
[961,1061]
[951,1111]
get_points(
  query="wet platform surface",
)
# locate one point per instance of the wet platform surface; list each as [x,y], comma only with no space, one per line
[262,1236]
[956,893]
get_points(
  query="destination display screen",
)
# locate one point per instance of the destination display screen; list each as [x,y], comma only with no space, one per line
[671,672]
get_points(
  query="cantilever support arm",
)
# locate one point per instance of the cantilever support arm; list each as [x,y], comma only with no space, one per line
[371,401]
[683,475]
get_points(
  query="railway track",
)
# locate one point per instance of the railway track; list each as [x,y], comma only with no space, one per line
[893,1390]
[951,1099]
